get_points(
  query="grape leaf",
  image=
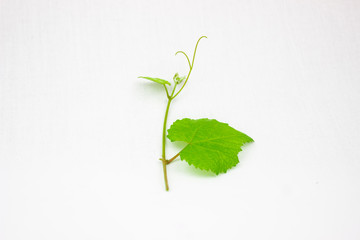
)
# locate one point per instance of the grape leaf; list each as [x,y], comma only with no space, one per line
[212,145]
[158,80]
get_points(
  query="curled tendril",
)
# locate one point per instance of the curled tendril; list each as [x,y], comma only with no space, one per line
[185,56]
[191,65]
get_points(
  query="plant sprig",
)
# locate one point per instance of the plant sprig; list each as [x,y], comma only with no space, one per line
[211,145]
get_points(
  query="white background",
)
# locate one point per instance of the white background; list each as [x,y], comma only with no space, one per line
[80,134]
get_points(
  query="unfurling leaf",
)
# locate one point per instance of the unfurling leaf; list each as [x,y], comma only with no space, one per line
[212,145]
[157,80]
[177,79]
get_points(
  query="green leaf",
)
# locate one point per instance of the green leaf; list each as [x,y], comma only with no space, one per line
[158,80]
[212,145]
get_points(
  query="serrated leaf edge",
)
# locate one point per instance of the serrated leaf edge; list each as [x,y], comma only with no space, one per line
[203,169]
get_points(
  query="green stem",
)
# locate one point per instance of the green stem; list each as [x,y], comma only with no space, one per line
[164,162]
[173,158]
[170,98]
[166,90]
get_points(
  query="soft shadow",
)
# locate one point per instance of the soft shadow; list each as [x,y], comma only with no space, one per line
[179,145]
[246,149]
[190,170]
[149,88]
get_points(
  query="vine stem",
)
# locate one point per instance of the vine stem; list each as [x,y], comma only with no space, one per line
[170,98]
[164,143]
[164,161]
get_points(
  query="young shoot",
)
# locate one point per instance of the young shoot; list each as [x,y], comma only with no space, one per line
[211,145]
